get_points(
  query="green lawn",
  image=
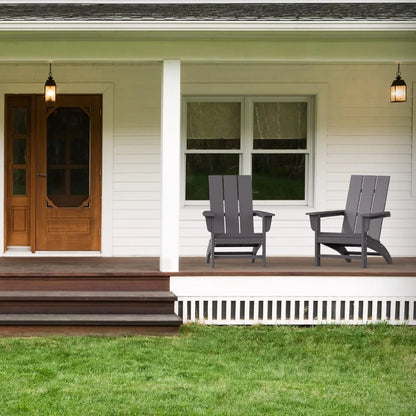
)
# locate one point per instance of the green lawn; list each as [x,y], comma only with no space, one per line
[323,370]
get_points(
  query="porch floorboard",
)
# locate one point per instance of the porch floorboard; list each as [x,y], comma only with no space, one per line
[196,266]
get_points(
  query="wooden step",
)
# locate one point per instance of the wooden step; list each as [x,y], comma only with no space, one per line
[88,319]
[115,282]
[83,302]
[88,324]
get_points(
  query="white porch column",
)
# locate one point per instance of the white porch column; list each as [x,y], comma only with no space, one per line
[170,165]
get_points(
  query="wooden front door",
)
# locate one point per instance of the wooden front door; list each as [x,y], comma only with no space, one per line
[53,172]
[68,173]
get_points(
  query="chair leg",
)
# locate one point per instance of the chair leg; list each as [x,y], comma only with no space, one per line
[208,255]
[212,253]
[383,251]
[364,251]
[317,253]
[254,252]
[341,250]
[379,249]
[264,253]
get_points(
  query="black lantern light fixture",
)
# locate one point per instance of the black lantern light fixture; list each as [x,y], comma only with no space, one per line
[50,87]
[398,89]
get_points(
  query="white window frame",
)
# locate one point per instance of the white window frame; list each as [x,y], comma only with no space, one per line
[246,143]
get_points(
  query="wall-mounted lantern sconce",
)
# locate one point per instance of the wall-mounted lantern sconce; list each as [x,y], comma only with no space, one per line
[50,87]
[398,89]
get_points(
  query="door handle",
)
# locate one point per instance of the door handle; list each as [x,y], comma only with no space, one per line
[42,175]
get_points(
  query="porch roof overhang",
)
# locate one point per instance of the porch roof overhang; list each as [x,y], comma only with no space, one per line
[210,17]
[195,32]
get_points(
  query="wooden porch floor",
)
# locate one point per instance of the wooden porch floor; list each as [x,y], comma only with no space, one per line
[196,266]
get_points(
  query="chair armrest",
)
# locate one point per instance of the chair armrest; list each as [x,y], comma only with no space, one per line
[366,219]
[315,217]
[266,219]
[262,214]
[209,216]
[374,215]
[323,214]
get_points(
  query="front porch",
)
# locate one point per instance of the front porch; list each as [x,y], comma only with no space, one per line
[289,291]
[196,266]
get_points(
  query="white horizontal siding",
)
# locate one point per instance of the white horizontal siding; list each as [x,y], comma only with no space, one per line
[136,202]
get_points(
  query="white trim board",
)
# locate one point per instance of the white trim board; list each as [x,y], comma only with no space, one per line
[210,26]
[295,300]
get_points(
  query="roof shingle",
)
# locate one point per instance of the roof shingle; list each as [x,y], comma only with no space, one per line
[197,12]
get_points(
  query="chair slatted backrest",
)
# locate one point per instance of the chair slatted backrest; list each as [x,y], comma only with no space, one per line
[366,194]
[231,202]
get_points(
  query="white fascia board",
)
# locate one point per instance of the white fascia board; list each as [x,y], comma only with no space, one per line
[227,26]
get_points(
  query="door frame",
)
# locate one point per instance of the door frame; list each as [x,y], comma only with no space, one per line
[107,92]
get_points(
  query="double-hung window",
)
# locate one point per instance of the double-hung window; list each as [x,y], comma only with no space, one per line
[269,138]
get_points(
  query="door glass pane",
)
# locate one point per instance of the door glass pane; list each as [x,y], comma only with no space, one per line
[213,125]
[19,181]
[68,153]
[280,125]
[278,176]
[56,182]
[199,166]
[19,151]
[80,149]
[56,151]
[79,181]
[20,120]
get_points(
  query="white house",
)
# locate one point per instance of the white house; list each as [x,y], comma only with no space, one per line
[174,91]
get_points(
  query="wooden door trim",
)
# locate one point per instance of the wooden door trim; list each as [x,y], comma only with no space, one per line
[32,168]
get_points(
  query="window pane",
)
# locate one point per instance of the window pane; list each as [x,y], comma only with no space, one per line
[199,166]
[278,176]
[213,125]
[19,151]
[19,181]
[280,125]
[20,120]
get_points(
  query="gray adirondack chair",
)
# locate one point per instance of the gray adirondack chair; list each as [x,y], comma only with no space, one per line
[230,219]
[363,219]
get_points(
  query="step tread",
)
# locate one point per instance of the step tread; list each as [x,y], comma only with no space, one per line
[86,295]
[89,319]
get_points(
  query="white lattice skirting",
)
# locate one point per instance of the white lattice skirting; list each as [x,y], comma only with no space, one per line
[295,300]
